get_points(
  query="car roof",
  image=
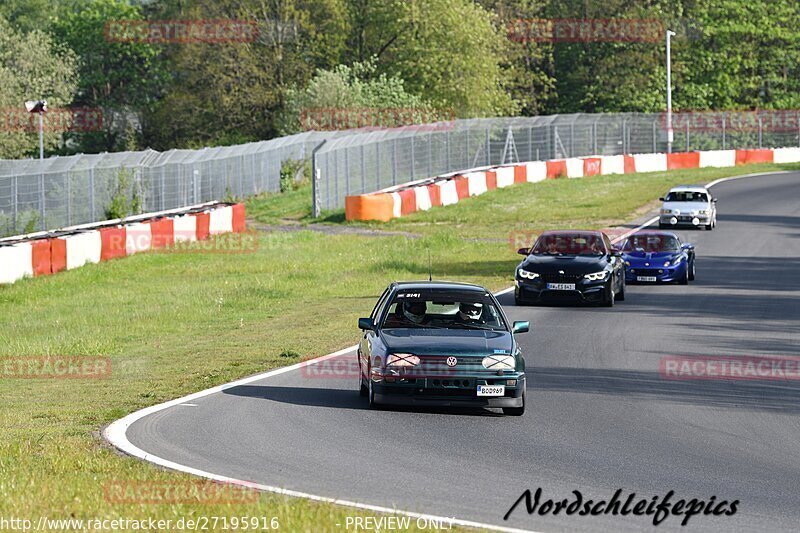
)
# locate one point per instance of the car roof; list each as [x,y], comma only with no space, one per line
[432,285]
[596,233]
[689,188]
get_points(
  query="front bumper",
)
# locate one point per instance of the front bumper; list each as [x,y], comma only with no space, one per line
[684,220]
[450,391]
[536,291]
[662,274]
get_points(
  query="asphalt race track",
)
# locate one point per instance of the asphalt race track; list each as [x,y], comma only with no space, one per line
[600,416]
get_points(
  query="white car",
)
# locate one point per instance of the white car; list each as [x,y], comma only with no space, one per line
[688,205]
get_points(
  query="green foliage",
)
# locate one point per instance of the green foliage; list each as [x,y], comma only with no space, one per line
[126,196]
[32,66]
[447,51]
[294,174]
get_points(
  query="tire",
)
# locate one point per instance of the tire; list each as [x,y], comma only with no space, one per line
[691,270]
[371,395]
[515,411]
[363,390]
[621,293]
[518,302]
[610,296]
[685,279]
[661,226]
[709,227]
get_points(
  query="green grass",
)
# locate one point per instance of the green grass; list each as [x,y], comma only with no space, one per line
[175,323]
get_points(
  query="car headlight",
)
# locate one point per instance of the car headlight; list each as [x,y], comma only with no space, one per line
[703,212]
[527,274]
[402,360]
[499,362]
[627,263]
[666,211]
[597,276]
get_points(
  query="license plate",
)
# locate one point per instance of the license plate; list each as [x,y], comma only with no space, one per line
[491,390]
[561,286]
[646,278]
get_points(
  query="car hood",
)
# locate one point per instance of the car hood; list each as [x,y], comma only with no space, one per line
[641,257]
[447,341]
[570,264]
[686,208]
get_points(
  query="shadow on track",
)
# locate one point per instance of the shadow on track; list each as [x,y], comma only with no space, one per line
[771,396]
[340,399]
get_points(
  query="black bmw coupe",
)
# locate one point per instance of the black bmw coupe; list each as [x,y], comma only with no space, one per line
[581,266]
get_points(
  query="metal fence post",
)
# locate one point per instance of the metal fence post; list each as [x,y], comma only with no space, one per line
[315,177]
[42,208]
[724,121]
[447,142]
[655,147]
[430,155]
[363,171]
[68,188]
[16,202]
[530,143]
[378,165]
[91,191]
[161,202]
[687,135]
[760,132]
[394,161]
[488,148]
[413,159]
[594,138]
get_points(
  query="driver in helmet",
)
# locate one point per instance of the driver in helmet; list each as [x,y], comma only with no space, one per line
[469,312]
[414,312]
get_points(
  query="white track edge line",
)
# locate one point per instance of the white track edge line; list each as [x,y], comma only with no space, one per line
[116,432]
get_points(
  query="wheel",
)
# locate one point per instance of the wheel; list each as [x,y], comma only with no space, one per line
[518,302]
[691,270]
[371,394]
[709,226]
[515,411]
[608,301]
[621,293]
[363,390]
[685,278]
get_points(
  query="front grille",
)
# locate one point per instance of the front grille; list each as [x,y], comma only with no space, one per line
[561,278]
[646,272]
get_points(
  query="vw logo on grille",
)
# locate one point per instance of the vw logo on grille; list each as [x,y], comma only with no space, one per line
[452,361]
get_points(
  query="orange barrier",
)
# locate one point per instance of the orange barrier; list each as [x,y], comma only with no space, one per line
[203,220]
[162,233]
[556,169]
[683,160]
[435,195]
[462,186]
[491,180]
[58,255]
[112,243]
[592,166]
[521,174]
[408,201]
[40,257]
[630,165]
[366,207]
[747,157]
[239,224]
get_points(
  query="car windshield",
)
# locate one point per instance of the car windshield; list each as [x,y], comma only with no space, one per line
[651,243]
[443,308]
[569,244]
[687,196]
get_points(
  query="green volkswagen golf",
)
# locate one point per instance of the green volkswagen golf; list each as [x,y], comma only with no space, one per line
[443,344]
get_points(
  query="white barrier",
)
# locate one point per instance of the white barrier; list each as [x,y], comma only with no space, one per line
[221,220]
[423,198]
[650,162]
[718,158]
[83,248]
[505,177]
[476,182]
[16,262]
[612,164]
[448,193]
[137,238]
[185,228]
[397,205]
[786,155]
[574,167]
[536,171]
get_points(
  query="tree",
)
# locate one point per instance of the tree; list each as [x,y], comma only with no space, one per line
[120,77]
[354,97]
[32,66]
[225,93]
[448,52]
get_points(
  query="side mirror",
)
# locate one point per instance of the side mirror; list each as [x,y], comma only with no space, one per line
[662,199]
[687,246]
[616,252]
[521,326]
[524,251]
[366,324]
[714,200]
